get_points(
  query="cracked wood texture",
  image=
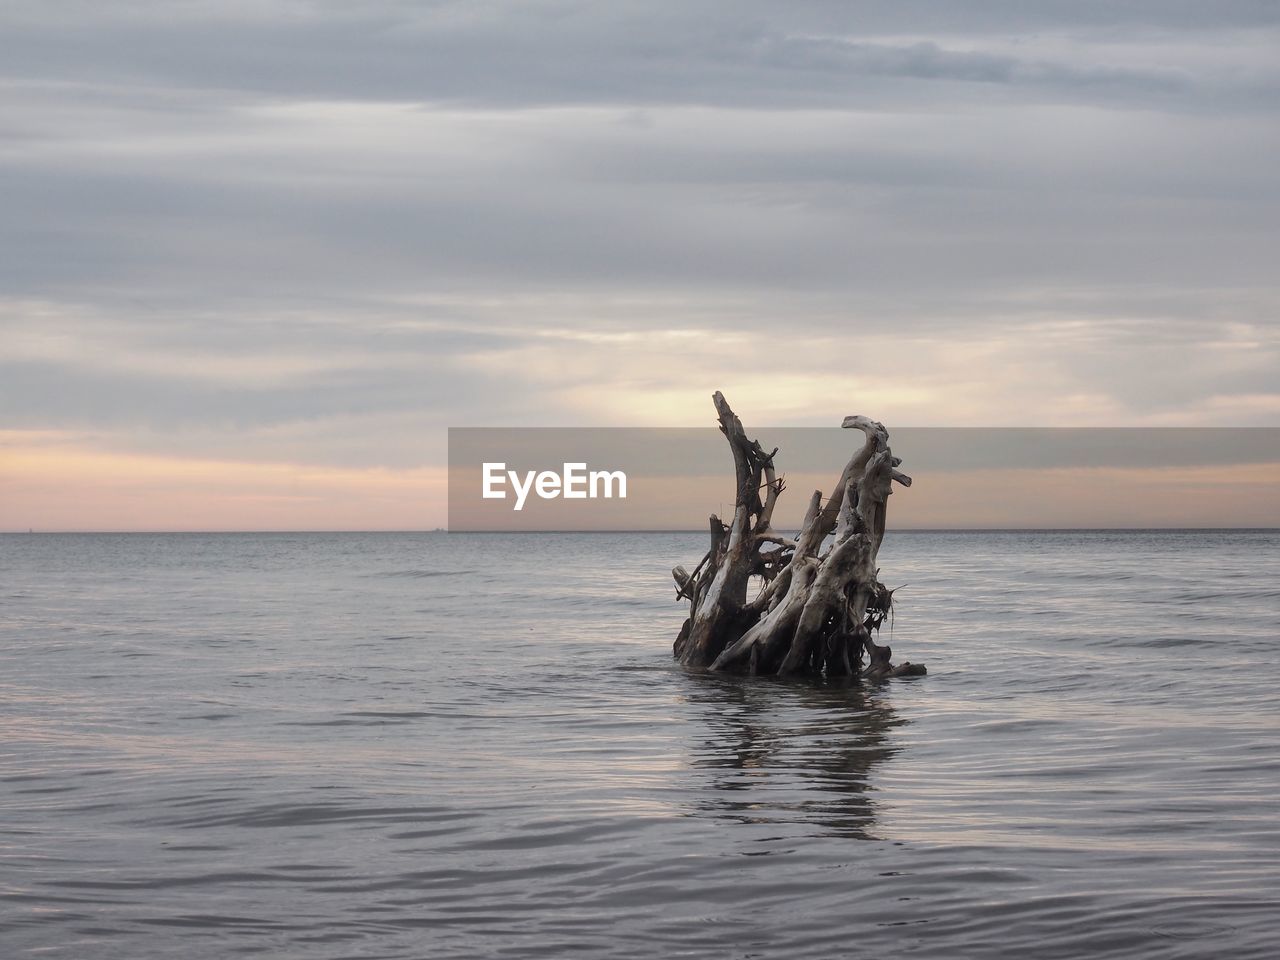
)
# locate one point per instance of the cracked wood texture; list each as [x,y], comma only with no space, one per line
[817,601]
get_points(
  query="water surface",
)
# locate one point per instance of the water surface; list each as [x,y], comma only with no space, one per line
[411,745]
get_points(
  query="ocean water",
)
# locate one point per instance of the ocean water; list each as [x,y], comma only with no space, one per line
[458,746]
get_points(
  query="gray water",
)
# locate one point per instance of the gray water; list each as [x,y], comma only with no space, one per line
[417,745]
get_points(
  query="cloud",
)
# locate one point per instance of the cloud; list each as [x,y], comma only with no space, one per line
[324,232]
[554,53]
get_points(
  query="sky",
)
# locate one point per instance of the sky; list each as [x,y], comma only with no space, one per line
[963,477]
[257,257]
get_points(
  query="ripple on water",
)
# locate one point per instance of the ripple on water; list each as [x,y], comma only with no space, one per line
[366,745]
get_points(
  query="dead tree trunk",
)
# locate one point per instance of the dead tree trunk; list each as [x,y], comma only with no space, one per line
[817,608]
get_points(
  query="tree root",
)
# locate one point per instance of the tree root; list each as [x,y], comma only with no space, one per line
[818,609]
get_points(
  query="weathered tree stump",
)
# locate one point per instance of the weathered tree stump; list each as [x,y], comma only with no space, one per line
[816,611]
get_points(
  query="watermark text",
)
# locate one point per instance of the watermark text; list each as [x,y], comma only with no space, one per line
[574,482]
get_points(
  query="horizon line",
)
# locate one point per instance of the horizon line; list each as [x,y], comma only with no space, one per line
[444,530]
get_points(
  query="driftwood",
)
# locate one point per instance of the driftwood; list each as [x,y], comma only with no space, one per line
[819,602]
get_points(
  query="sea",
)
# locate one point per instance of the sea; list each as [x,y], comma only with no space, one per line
[431,745]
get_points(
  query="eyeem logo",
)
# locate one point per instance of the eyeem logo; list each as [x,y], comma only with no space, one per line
[575,483]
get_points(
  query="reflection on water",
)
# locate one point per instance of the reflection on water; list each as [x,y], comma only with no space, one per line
[790,752]
[330,746]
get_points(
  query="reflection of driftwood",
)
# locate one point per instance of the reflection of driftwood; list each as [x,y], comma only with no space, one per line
[816,611]
[804,755]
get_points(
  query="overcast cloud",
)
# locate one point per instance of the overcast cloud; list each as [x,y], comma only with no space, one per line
[320,233]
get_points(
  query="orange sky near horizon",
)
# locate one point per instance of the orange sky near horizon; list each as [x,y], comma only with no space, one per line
[50,486]
[63,488]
